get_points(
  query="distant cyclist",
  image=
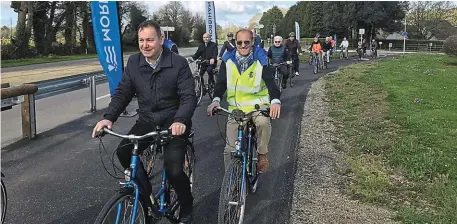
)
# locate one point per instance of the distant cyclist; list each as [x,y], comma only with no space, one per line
[169,44]
[294,48]
[228,45]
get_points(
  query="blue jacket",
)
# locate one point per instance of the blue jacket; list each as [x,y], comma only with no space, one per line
[170,45]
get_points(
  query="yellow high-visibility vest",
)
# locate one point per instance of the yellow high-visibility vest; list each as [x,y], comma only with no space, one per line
[246,90]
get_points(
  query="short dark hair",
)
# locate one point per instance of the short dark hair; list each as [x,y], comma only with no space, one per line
[244,30]
[150,23]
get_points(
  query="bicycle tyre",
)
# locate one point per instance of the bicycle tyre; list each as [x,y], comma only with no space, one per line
[4,201]
[111,206]
[228,189]
[198,89]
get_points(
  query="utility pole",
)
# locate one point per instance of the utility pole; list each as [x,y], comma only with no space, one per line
[404,37]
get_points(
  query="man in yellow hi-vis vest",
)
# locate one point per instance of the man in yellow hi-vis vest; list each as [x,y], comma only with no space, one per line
[248,80]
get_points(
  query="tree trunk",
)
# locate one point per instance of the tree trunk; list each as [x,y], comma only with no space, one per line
[39,19]
[49,30]
[69,26]
[85,24]
[24,29]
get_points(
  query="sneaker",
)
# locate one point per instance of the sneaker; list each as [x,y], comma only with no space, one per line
[297,74]
[262,164]
[186,218]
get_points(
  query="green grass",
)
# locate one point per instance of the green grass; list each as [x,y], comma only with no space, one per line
[397,124]
[42,60]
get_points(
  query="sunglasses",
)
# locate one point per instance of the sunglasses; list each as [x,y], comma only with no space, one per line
[277,42]
[246,43]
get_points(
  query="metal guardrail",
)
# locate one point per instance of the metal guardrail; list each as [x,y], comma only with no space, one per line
[64,84]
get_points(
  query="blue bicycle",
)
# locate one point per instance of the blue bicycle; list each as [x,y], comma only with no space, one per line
[242,172]
[126,206]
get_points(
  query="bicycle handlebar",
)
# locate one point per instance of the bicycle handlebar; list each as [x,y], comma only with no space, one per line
[239,114]
[281,64]
[164,133]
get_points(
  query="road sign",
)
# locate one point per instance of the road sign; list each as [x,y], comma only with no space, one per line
[168,28]
[390,44]
[404,34]
[380,43]
[362,31]
[258,26]
[430,44]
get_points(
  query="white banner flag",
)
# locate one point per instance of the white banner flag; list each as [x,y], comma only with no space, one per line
[297,31]
[211,20]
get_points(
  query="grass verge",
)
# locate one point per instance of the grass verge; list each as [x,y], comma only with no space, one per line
[49,59]
[397,125]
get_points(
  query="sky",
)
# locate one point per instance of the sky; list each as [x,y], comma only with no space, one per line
[236,12]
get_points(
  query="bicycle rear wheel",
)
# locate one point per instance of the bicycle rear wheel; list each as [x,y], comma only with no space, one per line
[119,209]
[233,195]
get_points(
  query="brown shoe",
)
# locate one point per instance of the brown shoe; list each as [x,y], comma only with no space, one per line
[262,163]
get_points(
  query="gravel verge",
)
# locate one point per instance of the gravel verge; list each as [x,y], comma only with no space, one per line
[319,184]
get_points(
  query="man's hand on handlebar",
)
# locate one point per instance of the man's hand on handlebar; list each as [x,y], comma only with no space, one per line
[212,107]
[275,110]
[99,127]
[177,128]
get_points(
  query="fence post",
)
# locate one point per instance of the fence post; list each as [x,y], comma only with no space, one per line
[28,116]
[93,94]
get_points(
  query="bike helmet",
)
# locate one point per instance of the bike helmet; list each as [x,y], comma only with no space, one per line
[291,34]
[230,34]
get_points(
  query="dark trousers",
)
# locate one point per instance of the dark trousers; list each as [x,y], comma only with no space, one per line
[283,70]
[296,62]
[209,69]
[174,153]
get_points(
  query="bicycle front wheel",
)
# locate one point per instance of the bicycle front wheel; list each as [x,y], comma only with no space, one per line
[4,200]
[198,89]
[233,195]
[119,210]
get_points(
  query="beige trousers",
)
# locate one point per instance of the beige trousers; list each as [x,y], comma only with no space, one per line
[263,131]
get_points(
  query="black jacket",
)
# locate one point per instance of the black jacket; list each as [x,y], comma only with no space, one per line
[165,94]
[206,52]
[293,47]
[229,45]
[326,46]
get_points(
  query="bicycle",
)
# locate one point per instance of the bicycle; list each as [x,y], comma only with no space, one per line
[164,202]
[209,88]
[316,63]
[242,171]
[374,52]
[343,53]
[4,199]
[278,76]
[324,59]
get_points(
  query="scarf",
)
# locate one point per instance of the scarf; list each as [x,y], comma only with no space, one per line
[243,61]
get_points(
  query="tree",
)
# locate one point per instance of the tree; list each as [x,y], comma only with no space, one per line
[5,32]
[24,27]
[271,19]
[174,14]
[425,17]
[199,28]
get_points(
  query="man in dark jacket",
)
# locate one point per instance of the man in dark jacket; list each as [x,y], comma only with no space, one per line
[229,45]
[207,51]
[165,88]
[294,48]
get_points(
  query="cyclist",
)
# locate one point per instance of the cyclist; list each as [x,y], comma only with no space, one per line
[207,51]
[294,49]
[374,47]
[360,49]
[147,75]
[326,48]
[249,81]
[344,46]
[170,45]
[229,45]
[316,49]
[278,54]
